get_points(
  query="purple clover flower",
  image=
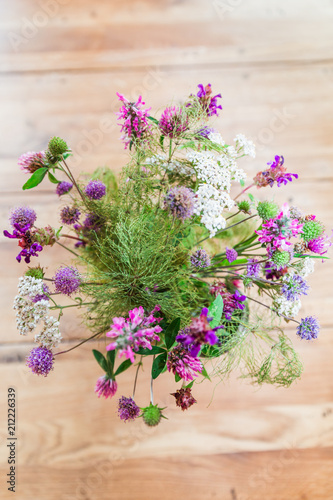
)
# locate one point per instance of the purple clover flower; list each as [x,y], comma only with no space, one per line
[106,387]
[127,409]
[173,123]
[294,287]
[69,215]
[181,362]
[22,216]
[63,187]
[67,280]
[200,259]
[32,161]
[95,190]
[253,268]
[231,254]
[309,328]
[320,245]
[180,202]
[40,361]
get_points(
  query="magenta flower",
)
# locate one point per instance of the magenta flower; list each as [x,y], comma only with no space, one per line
[208,102]
[135,125]
[231,301]
[128,409]
[134,332]
[320,245]
[32,161]
[276,232]
[106,387]
[173,123]
[199,332]
[181,362]
[275,173]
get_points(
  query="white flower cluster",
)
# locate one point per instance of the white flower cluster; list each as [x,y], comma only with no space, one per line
[245,146]
[29,313]
[287,307]
[305,267]
[216,171]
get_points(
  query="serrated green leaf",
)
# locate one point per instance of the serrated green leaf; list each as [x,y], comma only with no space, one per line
[53,179]
[100,360]
[124,365]
[149,352]
[158,365]
[35,179]
[215,310]
[171,333]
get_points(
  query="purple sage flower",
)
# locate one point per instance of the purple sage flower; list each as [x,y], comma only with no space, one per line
[22,216]
[209,103]
[95,190]
[67,280]
[128,409]
[180,202]
[63,187]
[40,361]
[231,254]
[308,328]
[29,249]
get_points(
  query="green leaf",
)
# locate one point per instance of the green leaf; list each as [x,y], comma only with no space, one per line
[121,368]
[205,374]
[177,377]
[153,119]
[242,182]
[66,155]
[251,196]
[301,256]
[100,360]
[215,311]
[53,179]
[35,179]
[189,386]
[110,356]
[158,365]
[148,352]
[171,333]
[162,141]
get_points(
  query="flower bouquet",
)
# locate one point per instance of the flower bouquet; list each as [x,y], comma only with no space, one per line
[168,263]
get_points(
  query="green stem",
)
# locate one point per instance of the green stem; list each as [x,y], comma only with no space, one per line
[274,310]
[226,228]
[136,376]
[244,190]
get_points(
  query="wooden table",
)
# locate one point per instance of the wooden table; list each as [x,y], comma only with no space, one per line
[61,63]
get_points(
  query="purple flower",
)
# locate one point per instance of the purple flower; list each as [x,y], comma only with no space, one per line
[69,215]
[92,222]
[308,328]
[198,332]
[200,259]
[67,280]
[320,245]
[106,387]
[135,125]
[275,173]
[63,188]
[208,102]
[22,216]
[180,202]
[253,268]
[173,123]
[204,132]
[23,234]
[40,360]
[294,286]
[184,398]
[231,254]
[95,190]
[32,161]
[181,362]
[127,409]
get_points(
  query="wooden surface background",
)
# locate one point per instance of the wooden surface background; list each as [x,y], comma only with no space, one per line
[61,63]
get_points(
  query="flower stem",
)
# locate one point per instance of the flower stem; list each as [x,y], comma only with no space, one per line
[78,345]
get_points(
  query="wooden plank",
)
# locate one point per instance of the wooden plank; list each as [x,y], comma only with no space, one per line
[108,35]
[277,108]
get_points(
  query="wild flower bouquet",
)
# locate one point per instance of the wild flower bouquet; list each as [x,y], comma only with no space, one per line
[167,261]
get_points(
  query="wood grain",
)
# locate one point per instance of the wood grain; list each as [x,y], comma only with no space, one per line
[273,63]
